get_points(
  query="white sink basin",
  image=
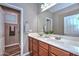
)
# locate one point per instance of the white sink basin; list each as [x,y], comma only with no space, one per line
[59,39]
[62,41]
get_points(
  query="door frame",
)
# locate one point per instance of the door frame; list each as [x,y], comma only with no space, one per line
[21,22]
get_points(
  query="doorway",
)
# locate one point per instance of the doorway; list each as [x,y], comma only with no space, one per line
[11,31]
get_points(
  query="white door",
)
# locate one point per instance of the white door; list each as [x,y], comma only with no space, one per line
[1,32]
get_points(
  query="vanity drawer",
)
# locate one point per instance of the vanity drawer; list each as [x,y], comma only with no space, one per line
[44,45]
[43,52]
[58,52]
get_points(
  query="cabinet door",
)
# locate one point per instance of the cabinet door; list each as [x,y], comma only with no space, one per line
[44,45]
[51,54]
[58,52]
[35,53]
[30,45]
[43,52]
[35,41]
[73,54]
[35,45]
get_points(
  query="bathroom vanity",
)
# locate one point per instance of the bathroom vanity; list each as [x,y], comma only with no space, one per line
[48,46]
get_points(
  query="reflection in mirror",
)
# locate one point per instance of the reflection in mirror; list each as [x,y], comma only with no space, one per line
[47,27]
[71,25]
[64,19]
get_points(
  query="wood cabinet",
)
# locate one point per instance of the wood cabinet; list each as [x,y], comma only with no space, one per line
[43,49]
[30,45]
[39,48]
[43,52]
[43,45]
[51,54]
[73,54]
[34,53]
[33,46]
[58,52]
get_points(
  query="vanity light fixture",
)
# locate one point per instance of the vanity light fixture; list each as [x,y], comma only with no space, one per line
[45,6]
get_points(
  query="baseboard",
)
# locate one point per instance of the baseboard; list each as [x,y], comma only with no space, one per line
[12,45]
[26,54]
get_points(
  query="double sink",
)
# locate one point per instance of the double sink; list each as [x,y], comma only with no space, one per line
[59,39]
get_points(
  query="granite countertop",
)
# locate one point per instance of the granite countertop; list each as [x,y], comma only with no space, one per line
[67,43]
